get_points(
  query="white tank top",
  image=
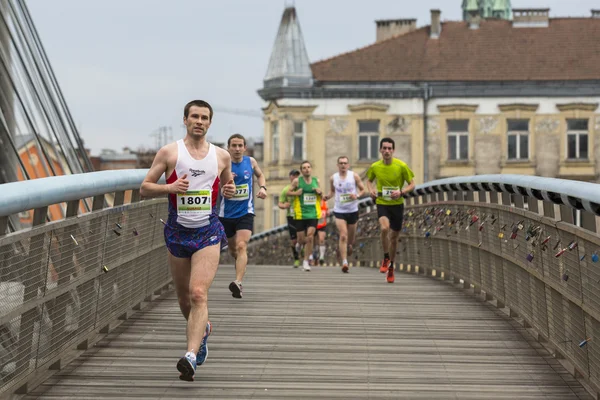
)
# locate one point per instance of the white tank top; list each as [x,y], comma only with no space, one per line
[194,208]
[343,188]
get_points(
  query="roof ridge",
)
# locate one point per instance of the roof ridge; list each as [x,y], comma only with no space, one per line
[381,42]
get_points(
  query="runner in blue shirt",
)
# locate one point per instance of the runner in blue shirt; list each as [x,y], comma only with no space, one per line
[237,214]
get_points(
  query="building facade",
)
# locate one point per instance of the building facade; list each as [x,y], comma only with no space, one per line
[482,96]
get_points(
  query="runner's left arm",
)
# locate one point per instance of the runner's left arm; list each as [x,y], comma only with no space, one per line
[227,188]
[409,188]
[262,182]
[359,185]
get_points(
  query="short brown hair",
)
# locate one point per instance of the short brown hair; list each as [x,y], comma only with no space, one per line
[197,103]
[236,136]
[340,157]
[305,162]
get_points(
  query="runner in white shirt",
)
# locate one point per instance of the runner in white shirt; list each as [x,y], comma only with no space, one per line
[195,171]
[347,187]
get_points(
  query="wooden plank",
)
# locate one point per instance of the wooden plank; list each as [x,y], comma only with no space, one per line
[323,334]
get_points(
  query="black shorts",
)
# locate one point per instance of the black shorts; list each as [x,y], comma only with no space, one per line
[232,225]
[292,228]
[350,218]
[395,214]
[302,225]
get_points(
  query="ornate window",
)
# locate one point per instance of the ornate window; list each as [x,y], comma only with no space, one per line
[368,140]
[518,139]
[577,139]
[458,139]
[274,141]
[298,142]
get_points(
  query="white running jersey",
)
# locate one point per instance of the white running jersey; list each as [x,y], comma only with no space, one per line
[194,208]
[343,189]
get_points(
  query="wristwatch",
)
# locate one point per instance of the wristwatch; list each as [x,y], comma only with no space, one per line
[263,187]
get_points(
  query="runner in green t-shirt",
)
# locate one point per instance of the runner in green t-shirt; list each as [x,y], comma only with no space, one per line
[391,175]
[307,208]
[285,204]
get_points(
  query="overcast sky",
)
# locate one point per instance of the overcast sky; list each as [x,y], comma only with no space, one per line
[127,67]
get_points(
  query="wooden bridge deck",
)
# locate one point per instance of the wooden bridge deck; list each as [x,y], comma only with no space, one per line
[323,335]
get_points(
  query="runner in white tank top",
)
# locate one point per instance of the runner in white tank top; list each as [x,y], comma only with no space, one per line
[195,169]
[347,187]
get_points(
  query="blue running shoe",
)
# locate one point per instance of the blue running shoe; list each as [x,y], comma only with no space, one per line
[187,367]
[203,352]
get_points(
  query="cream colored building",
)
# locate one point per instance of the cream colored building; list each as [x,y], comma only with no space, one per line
[482,96]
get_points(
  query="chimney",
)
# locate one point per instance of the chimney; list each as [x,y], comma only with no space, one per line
[531,17]
[596,13]
[474,19]
[389,28]
[436,24]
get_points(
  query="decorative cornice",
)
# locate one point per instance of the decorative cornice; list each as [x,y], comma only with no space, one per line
[458,107]
[274,108]
[368,106]
[518,107]
[577,107]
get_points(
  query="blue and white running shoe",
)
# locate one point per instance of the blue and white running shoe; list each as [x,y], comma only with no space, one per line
[203,352]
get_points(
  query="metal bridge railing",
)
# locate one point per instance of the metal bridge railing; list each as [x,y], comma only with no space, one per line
[529,243]
[62,283]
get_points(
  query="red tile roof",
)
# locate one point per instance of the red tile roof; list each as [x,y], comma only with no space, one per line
[568,49]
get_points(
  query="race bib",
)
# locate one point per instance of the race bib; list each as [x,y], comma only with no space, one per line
[386,192]
[346,198]
[195,202]
[310,199]
[241,193]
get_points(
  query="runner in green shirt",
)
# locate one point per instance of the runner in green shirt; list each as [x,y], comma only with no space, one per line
[391,175]
[307,208]
[285,204]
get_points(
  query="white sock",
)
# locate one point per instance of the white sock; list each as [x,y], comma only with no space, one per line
[191,355]
[310,257]
[298,247]
[344,262]
[322,251]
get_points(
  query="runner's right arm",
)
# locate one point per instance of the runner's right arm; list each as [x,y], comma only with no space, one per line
[284,205]
[294,190]
[331,193]
[150,187]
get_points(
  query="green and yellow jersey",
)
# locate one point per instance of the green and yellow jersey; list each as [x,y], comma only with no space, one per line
[308,204]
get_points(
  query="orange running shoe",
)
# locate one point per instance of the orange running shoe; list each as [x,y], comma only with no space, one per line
[390,273]
[385,264]
[345,268]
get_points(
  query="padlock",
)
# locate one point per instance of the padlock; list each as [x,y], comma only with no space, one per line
[513,235]
[595,257]
[481,226]
[448,212]
[565,277]
[530,257]
[546,240]
[572,245]
[500,235]
[520,225]
[560,253]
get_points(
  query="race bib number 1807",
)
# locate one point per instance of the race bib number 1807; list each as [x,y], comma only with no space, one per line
[194,202]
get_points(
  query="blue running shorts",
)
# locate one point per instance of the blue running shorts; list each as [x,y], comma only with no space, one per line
[182,242]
